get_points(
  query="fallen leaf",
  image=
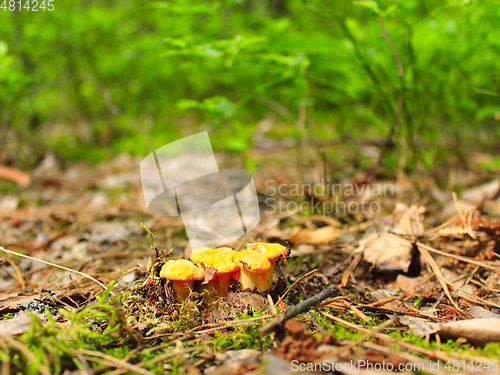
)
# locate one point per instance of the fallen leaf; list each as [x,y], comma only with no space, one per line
[108,231]
[409,284]
[408,219]
[420,327]
[10,303]
[210,273]
[274,365]
[481,193]
[482,313]
[386,251]
[450,209]
[315,236]
[20,323]
[9,203]
[476,331]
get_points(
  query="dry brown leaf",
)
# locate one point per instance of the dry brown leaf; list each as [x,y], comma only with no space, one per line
[477,331]
[236,362]
[409,219]
[386,251]
[482,313]
[409,284]
[420,327]
[450,209]
[315,236]
[479,194]
[471,198]
[20,323]
[210,273]
[10,303]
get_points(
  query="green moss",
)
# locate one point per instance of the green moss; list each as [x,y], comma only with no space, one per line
[341,332]
[244,337]
[53,346]
[190,315]
[338,330]
[99,327]
[491,350]
[8,187]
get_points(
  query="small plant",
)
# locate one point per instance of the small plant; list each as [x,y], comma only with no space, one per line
[150,233]
[418,300]
[7,316]
[52,347]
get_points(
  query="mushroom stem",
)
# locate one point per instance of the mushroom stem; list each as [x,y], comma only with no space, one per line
[252,280]
[220,284]
[220,289]
[249,280]
[224,282]
[273,267]
[223,268]
[255,270]
[182,290]
[274,252]
[266,280]
[213,304]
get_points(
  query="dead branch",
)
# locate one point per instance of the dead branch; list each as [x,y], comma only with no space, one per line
[293,311]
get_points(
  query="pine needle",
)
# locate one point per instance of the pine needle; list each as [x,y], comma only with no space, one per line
[83,274]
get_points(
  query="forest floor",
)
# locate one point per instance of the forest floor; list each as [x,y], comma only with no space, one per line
[416,265]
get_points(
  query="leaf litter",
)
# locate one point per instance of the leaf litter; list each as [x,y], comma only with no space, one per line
[409,271]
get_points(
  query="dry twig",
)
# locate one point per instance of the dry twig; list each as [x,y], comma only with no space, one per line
[293,311]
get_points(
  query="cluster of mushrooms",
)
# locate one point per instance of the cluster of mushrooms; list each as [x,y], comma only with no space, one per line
[253,268]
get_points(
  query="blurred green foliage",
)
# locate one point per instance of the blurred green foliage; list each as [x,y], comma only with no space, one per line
[107,73]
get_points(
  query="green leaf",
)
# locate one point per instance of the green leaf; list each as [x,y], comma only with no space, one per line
[488,112]
[418,299]
[390,9]
[220,106]
[188,103]
[370,4]
[3,48]
[177,42]
[236,144]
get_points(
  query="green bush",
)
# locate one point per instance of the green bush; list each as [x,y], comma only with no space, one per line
[123,69]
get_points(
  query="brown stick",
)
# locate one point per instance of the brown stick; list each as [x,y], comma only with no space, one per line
[20,178]
[293,311]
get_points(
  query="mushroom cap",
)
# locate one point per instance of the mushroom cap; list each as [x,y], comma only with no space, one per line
[181,270]
[200,249]
[219,258]
[252,261]
[271,251]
